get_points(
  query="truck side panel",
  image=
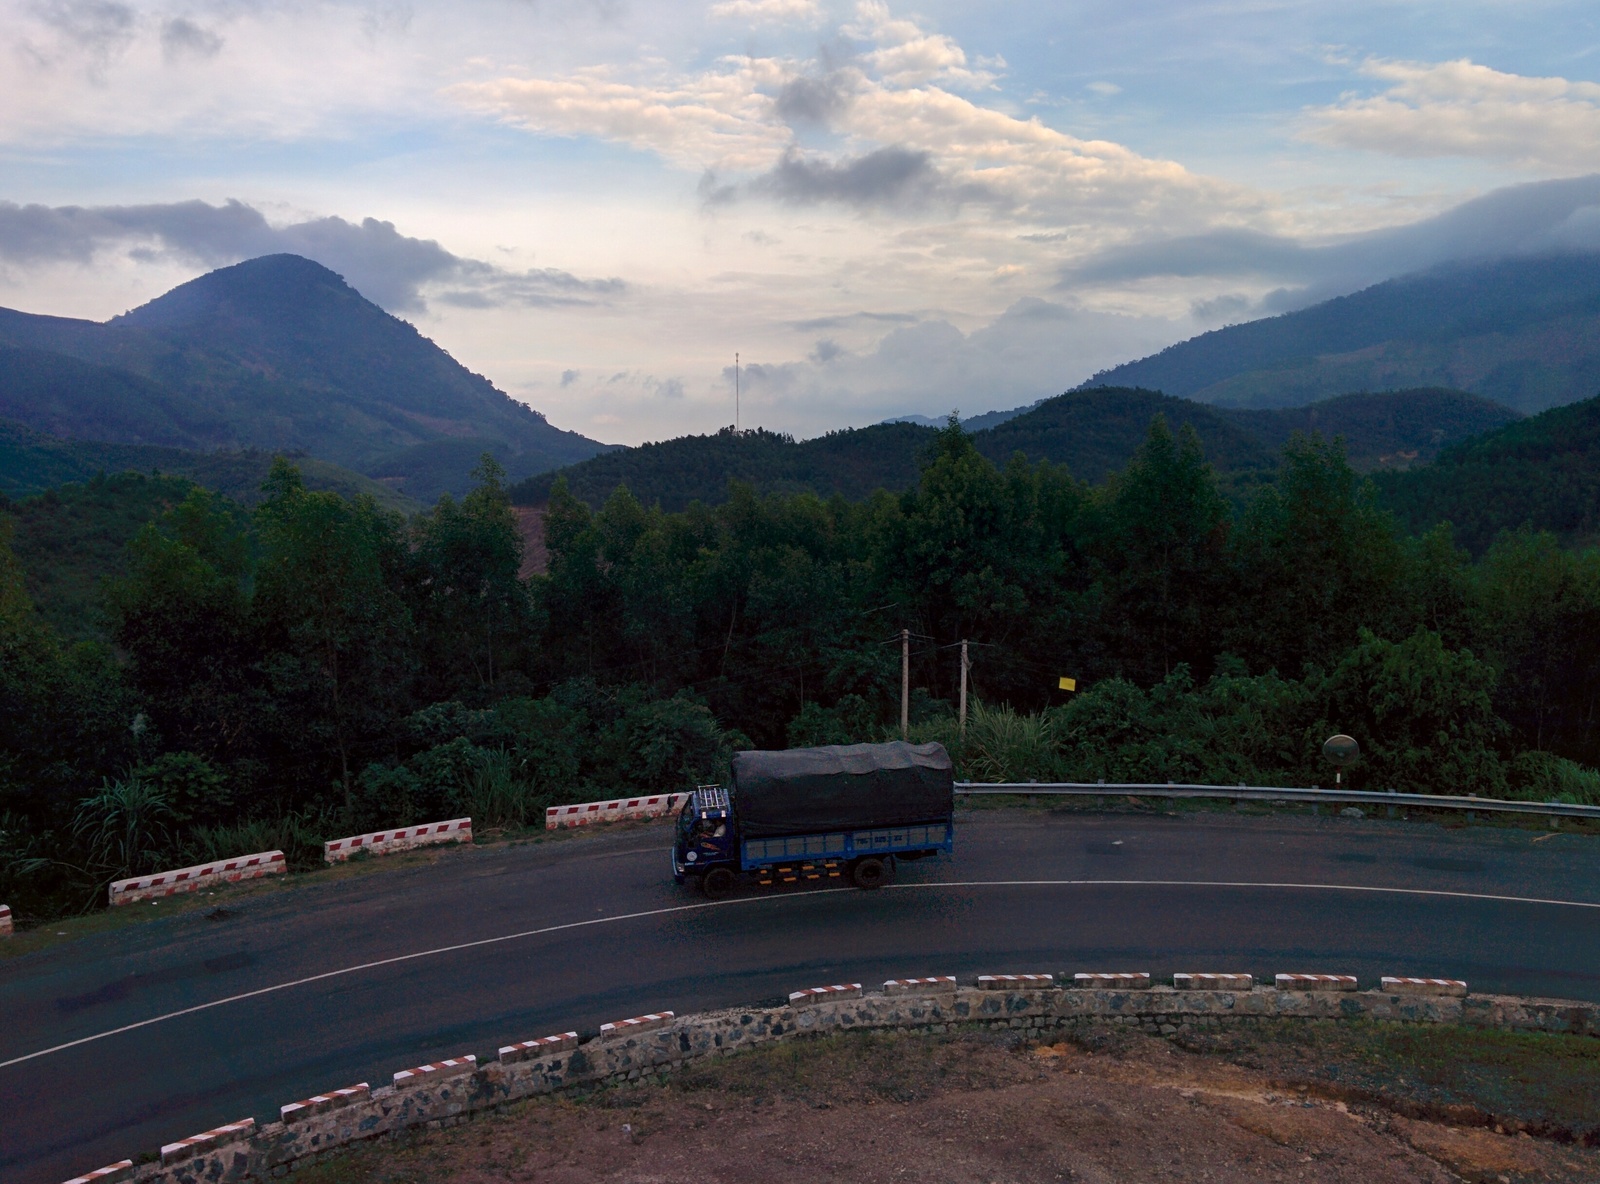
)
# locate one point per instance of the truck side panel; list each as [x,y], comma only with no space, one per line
[891,840]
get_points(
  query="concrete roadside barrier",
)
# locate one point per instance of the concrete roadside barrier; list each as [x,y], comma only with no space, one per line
[188,879]
[5,920]
[438,1071]
[195,1145]
[405,838]
[1424,986]
[1015,982]
[1315,982]
[942,984]
[322,1103]
[110,1174]
[816,994]
[528,1050]
[639,1023]
[1214,982]
[615,810]
[1119,980]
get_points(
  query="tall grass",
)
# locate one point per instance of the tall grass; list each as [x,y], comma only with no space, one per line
[500,793]
[1001,744]
[298,834]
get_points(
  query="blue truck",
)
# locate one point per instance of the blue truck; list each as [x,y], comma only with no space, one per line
[803,814]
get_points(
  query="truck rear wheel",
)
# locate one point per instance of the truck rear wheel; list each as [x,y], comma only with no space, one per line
[869,873]
[717,883]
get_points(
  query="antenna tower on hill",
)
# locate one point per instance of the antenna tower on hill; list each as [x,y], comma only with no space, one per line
[736,393]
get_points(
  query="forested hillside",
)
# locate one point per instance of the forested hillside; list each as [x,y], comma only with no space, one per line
[278,354]
[1543,472]
[1524,332]
[1092,432]
[317,665]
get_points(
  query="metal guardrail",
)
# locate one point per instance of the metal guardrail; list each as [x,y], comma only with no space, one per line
[1259,793]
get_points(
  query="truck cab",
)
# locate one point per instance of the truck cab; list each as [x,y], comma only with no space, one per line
[705,835]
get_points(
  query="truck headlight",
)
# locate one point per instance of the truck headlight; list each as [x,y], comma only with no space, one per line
[692,856]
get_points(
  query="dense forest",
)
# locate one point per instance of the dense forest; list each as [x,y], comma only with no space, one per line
[318,665]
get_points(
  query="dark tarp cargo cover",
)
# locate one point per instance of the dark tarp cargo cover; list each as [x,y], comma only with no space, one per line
[843,787]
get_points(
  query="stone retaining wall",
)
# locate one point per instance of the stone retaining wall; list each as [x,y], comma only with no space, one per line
[630,1051]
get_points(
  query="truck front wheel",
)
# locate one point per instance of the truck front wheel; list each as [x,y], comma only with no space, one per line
[717,883]
[869,873]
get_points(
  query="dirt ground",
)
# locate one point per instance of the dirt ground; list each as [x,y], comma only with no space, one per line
[1102,1104]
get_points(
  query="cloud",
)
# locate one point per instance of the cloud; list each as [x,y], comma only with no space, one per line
[1461,108]
[886,177]
[1535,218]
[1034,349]
[181,38]
[389,268]
[98,30]
[757,11]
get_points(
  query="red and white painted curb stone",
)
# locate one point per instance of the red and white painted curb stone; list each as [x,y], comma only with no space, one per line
[322,1103]
[1424,986]
[1120,980]
[818,994]
[527,1050]
[919,986]
[405,838]
[449,1067]
[1316,982]
[615,810]
[5,920]
[106,1175]
[188,1148]
[639,1023]
[1014,982]
[187,879]
[1214,982]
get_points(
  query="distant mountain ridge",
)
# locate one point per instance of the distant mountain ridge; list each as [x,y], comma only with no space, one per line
[274,353]
[1524,332]
[1093,432]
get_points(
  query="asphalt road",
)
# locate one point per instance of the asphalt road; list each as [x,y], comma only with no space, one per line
[572,934]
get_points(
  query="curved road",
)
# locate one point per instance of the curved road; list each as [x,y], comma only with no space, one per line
[482,947]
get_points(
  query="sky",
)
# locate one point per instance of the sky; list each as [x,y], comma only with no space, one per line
[882,208]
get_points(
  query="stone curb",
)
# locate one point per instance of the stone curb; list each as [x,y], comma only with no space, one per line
[322,1103]
[1213,982]
[661,1043]
[449,1067]
[1425,986]
[1316,982]
[194,1145]
[616,810]
[5,920]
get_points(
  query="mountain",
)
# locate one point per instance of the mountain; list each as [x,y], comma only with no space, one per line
[1523,332]
[973,423]
[1092,432]
[1542,472]
[277,353]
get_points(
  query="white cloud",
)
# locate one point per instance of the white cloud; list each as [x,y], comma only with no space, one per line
[757,11]
[1461,108]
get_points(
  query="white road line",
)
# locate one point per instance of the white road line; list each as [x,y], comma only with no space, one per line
[709,904]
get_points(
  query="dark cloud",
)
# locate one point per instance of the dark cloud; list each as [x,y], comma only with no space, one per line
[814,101]
[1537,218]
[389,268]
[182,38]
[568,377]
[888,176]
[848,320]
[102,29]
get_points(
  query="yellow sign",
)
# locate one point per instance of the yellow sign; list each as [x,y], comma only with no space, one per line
[1069,684]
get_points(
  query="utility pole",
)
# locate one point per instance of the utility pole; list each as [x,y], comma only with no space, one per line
[965,666]
[736,392]
[905,684]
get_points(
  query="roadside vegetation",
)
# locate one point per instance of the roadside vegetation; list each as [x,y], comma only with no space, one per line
[318,665]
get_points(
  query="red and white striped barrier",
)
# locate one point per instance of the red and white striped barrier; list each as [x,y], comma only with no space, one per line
[528,1050]
[1014,982]
[1316,982]
[5,920]
[616,810]
[1214,982]
[1115,981]
[639,1023]
[919,986]
[188,1148]
[438,1071]
[224,871]
[109,1174]
[818,994]
[322,1103]
[387,842]
[1424,986]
